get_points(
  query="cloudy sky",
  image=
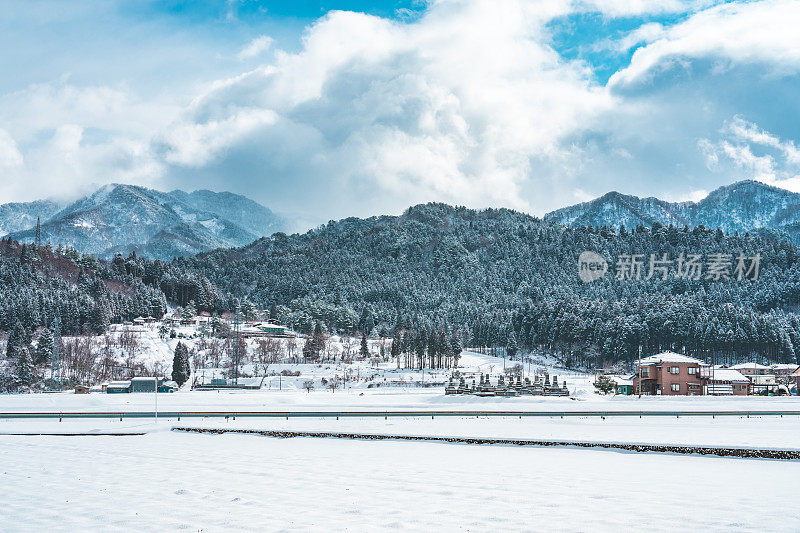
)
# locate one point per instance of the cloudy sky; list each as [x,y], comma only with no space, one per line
[345,107]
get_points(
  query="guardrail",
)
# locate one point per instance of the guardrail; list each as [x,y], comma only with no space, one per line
[385,414]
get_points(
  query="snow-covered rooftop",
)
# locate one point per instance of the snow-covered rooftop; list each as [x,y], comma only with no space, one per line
[621,380]
[750,366]
[729,374]
[670,357]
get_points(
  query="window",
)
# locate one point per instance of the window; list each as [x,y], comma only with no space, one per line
[676,387]
[644,372]
[674,370]
[692,370]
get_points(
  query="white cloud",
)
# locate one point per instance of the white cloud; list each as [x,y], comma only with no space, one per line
[646,33]
[750,132]
[691,196]
[10,155]
[453,106]
[256,47]
[744,32]
[467,103]
[761,154]
[195,144]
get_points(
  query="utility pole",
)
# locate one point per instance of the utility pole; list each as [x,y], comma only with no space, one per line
[155,380]
[236,344]
[55,358]
[38,237]
[640,371]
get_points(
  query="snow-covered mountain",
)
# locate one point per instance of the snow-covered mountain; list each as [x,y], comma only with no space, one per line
[743,206]
[21,216]
[124,218]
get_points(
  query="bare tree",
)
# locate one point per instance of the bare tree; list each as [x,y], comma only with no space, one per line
[348,344]
[291,346]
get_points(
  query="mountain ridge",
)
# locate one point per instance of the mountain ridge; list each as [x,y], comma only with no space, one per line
[743,206]
[121,218]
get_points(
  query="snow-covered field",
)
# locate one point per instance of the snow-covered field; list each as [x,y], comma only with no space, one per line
[168,481]
[164,480]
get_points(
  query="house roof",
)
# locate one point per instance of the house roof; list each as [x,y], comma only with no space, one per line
[621,380]
[750,366]
[670,357]
[787,366]
[729,374]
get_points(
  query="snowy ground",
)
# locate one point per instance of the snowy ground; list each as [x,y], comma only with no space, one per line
[164,480]
[168,481]
[359,398]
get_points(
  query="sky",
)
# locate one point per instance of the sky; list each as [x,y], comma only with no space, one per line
[322,110]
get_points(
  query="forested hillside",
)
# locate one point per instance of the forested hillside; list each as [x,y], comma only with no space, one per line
[492,272]
[37,284]
[482,274]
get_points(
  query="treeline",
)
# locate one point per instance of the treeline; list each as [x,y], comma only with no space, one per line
[481,275]
[37,285]
[425,349]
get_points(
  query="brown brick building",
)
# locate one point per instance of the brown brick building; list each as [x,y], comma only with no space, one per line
[670,374]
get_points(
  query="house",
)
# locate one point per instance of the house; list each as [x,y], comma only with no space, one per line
[669,374]
[270,328]
[761,380]
[782,370]
[795,376]
[623,385]
[751,369]
[726,382]
[118,387]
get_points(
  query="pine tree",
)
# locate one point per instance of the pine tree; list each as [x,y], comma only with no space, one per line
[190,311]
[396,345]
[364,351]
[511,347]
[15,341]
[180,364]
[25,371]
[44,347]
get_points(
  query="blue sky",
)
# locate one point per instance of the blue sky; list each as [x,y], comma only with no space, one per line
[331,109]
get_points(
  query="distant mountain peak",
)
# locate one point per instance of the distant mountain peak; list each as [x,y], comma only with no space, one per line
[742,206]
[119,218]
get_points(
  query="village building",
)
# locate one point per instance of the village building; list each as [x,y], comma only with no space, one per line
[669,374]
[762,381]
[782,370]
[751,369]
[726,382]
[118,387]
[795,376]
[622,385]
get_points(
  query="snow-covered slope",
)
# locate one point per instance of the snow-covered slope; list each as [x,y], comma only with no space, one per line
[21,216]
[743,206]
[124,218]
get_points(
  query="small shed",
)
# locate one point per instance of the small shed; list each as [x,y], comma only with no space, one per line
[118,387]
[623,385]
[81,389]
[145,384]
[168,386]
